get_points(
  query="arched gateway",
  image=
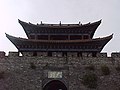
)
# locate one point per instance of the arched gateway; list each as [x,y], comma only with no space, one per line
[55,85]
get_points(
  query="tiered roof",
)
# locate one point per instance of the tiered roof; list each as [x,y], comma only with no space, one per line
[59,38]
[60,29]
[95,45]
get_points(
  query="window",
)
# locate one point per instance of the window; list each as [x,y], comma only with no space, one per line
[85,37]
[42,37]
[75,37]
[32,36]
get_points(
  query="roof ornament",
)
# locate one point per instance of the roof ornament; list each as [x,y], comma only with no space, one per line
[80,23]
[41,22]
[60,23]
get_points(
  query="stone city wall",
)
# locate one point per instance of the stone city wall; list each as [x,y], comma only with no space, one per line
[29,72]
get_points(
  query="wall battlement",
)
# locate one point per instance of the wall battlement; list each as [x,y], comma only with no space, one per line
[2,54]
[57,58]
[58,54]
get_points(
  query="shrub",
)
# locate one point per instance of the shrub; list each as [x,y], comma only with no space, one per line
[105,70]
[90,80]
[32,66]
[90,67]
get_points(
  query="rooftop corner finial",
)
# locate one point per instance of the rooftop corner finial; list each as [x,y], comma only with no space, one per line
[19,20]
[100,20]
[112,34]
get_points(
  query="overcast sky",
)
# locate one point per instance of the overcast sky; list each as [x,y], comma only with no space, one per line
[66,11]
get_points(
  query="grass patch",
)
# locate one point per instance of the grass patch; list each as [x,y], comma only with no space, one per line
[117,68]
[90,80]
[105,70]
[32,66]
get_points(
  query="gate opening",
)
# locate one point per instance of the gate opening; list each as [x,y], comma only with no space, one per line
[55,85]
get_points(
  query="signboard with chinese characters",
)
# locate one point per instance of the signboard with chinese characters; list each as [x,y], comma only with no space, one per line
[54,74]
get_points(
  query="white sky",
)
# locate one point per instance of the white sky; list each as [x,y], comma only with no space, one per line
[53,11]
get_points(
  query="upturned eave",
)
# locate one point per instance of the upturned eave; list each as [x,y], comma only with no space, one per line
[100,42]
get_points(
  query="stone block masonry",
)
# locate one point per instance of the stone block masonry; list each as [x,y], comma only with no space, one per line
[30,72]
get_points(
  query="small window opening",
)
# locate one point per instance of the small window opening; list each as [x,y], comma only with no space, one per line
[79,54]
[94,54]
[64,54]
[32,36]
[49,54]
[34,53]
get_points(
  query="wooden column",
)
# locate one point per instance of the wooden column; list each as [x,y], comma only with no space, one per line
[82,36]
[68,37]
[48,37]
[35,36]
